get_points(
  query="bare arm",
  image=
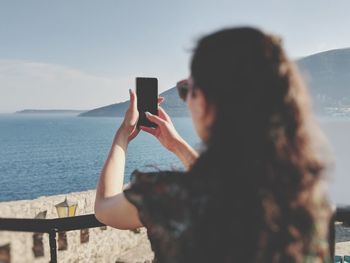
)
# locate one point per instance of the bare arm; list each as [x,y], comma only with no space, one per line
[185,153]
[111,206]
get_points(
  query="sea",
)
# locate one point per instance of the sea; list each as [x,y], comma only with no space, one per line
[49,154]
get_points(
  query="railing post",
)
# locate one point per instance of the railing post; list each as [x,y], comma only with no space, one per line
[53,246]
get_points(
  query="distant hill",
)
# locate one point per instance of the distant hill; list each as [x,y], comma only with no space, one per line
[32,111]
[172,104]
[327,75]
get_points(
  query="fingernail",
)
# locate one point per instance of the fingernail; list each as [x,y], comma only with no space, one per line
[148,113]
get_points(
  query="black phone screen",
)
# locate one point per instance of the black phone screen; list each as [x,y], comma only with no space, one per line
[147,99]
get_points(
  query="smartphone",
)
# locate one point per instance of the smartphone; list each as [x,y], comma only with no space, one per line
[147,99]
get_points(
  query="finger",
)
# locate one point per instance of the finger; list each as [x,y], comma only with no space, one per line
[154,118]
[163,114]
[149,130]
[133,98]
[160,100]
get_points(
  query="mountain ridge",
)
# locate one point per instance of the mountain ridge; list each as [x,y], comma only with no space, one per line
[172,104]
[326,74]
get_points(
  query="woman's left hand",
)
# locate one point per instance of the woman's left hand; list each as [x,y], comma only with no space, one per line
[129,124]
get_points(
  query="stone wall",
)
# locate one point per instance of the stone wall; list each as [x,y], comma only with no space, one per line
[104,245]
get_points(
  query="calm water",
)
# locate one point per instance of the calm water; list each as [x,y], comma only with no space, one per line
[49,154]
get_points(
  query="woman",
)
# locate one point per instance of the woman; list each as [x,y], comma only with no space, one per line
[255,193]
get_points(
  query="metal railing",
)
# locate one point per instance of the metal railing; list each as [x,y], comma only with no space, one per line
[50,226]
[53,226]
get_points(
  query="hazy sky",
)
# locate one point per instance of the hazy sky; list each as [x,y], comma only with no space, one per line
[83,54]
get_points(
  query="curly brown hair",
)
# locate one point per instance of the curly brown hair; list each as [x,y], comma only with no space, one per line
[260,162]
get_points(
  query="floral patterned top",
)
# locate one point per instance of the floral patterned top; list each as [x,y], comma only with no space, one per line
[173,208]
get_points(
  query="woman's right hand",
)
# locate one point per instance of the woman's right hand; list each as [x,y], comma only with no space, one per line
[169,138]
[165,131]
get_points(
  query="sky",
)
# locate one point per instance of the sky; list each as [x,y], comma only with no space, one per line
[84,54]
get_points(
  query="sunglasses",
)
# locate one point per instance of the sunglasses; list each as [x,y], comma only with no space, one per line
[183,88]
